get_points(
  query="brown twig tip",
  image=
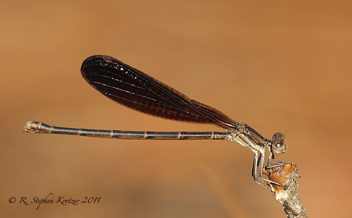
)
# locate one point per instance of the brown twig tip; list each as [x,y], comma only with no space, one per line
[286,194]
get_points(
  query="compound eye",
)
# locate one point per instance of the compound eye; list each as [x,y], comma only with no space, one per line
[278,144]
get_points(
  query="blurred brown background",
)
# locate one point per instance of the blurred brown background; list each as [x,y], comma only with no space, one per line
[280,66]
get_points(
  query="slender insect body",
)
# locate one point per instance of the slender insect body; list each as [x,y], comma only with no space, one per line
[138,91]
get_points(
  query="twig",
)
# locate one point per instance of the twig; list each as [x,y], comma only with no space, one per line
[286,194]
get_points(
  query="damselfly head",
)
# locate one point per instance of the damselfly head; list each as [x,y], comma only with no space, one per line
[278,145]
